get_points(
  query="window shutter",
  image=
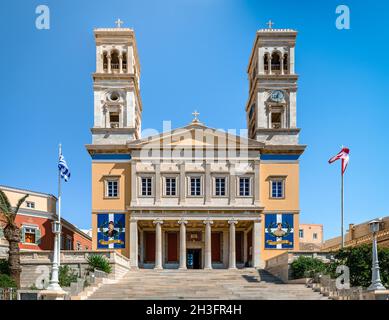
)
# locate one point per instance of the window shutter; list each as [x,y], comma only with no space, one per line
[23,235]
[37,236]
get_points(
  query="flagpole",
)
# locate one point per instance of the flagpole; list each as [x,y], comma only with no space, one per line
[342,202]
[59,206]
[54,283]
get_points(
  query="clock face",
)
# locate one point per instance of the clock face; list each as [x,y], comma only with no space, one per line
[277,96]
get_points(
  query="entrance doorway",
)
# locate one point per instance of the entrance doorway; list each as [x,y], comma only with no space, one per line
[193,258]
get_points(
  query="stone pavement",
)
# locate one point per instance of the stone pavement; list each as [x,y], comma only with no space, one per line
[203,284]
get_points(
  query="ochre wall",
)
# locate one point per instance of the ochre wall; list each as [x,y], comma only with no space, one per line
[289,204]
[101,204]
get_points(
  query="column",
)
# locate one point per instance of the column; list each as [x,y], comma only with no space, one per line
[158,244]
[232,253]
[208,245]
[282,63]
[208,183]
[133,183]
[182,224]
[232,181]
[133,243]
[120,63]
[256,251]
[256,183]
[269,62]
[157,184]
[182,183]
[109,62]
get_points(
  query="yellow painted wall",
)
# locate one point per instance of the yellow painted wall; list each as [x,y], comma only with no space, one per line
[42,203]
[290,204]
[101,204]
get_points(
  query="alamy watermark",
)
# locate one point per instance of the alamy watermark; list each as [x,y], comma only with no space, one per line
[42,21]
[342,21]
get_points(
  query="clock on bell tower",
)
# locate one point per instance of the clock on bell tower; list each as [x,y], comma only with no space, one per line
[271,108]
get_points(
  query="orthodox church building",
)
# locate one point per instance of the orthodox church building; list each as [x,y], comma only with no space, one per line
[195,197]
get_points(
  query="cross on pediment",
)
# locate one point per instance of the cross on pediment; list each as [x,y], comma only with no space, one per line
[270,24]
[195,114]
[119,23]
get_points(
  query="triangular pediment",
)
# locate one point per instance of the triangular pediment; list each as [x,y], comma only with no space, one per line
[196,135]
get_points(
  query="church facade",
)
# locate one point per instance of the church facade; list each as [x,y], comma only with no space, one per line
[195,197]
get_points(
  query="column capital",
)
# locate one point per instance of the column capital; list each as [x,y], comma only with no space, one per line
[182,221]
[133,219]
[158,221]
[232,222]
[208,222]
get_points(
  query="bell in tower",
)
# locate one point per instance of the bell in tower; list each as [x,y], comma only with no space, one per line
[271,108]
[117,103]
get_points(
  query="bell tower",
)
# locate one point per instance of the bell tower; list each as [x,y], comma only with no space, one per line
[117,102]
[271,107]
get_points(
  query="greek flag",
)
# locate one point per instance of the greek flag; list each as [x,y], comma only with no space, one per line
[63,168]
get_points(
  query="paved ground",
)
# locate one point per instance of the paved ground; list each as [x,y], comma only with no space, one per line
[202,284]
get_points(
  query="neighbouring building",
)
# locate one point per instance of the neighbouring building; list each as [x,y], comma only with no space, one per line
[310,236]
[358,234]
[195,197]
[35,219]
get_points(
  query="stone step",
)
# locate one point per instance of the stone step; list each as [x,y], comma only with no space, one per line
[202,284]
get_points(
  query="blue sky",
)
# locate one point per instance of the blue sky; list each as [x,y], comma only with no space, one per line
[194,55]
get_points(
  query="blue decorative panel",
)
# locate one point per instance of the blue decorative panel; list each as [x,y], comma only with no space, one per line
[111,233]
[279,231]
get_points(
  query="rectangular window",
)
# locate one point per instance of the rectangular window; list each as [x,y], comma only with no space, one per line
[170,186]
[112,188]
[30,204]
[220,186]
[146,186]
[69,244]
[315,236]
[195,186]
[79,248]
[114,119]
[29,235]
[244,187]
[276,120]
[277,189]
[301,233]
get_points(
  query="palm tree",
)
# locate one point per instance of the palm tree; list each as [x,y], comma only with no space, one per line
[12,234]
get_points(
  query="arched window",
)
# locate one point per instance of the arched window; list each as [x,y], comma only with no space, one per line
[275,62]
[266,62]
[115,61]
[286,63]
[105,61]
[124,61]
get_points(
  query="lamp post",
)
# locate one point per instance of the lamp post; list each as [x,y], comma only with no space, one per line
[54,285]
[375,275]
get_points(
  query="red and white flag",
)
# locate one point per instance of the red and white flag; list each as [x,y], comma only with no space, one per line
[344,155]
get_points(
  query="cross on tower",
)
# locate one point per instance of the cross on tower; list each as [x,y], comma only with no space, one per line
[119,23]
[195,114]
[270,24]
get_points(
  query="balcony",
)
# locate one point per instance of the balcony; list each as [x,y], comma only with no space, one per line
[276,125]
[114,125]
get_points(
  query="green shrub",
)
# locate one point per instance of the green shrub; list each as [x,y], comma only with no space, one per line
[359,260]
[7,282]
[99,262]
[66,276]
[306,267]
[4,267]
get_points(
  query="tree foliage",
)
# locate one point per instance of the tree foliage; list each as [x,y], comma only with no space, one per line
[306,267]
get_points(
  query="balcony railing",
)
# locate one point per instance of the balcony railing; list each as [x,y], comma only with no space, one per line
[276,125]
[114,124]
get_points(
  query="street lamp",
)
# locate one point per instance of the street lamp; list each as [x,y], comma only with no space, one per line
[375,275]
[54,285]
